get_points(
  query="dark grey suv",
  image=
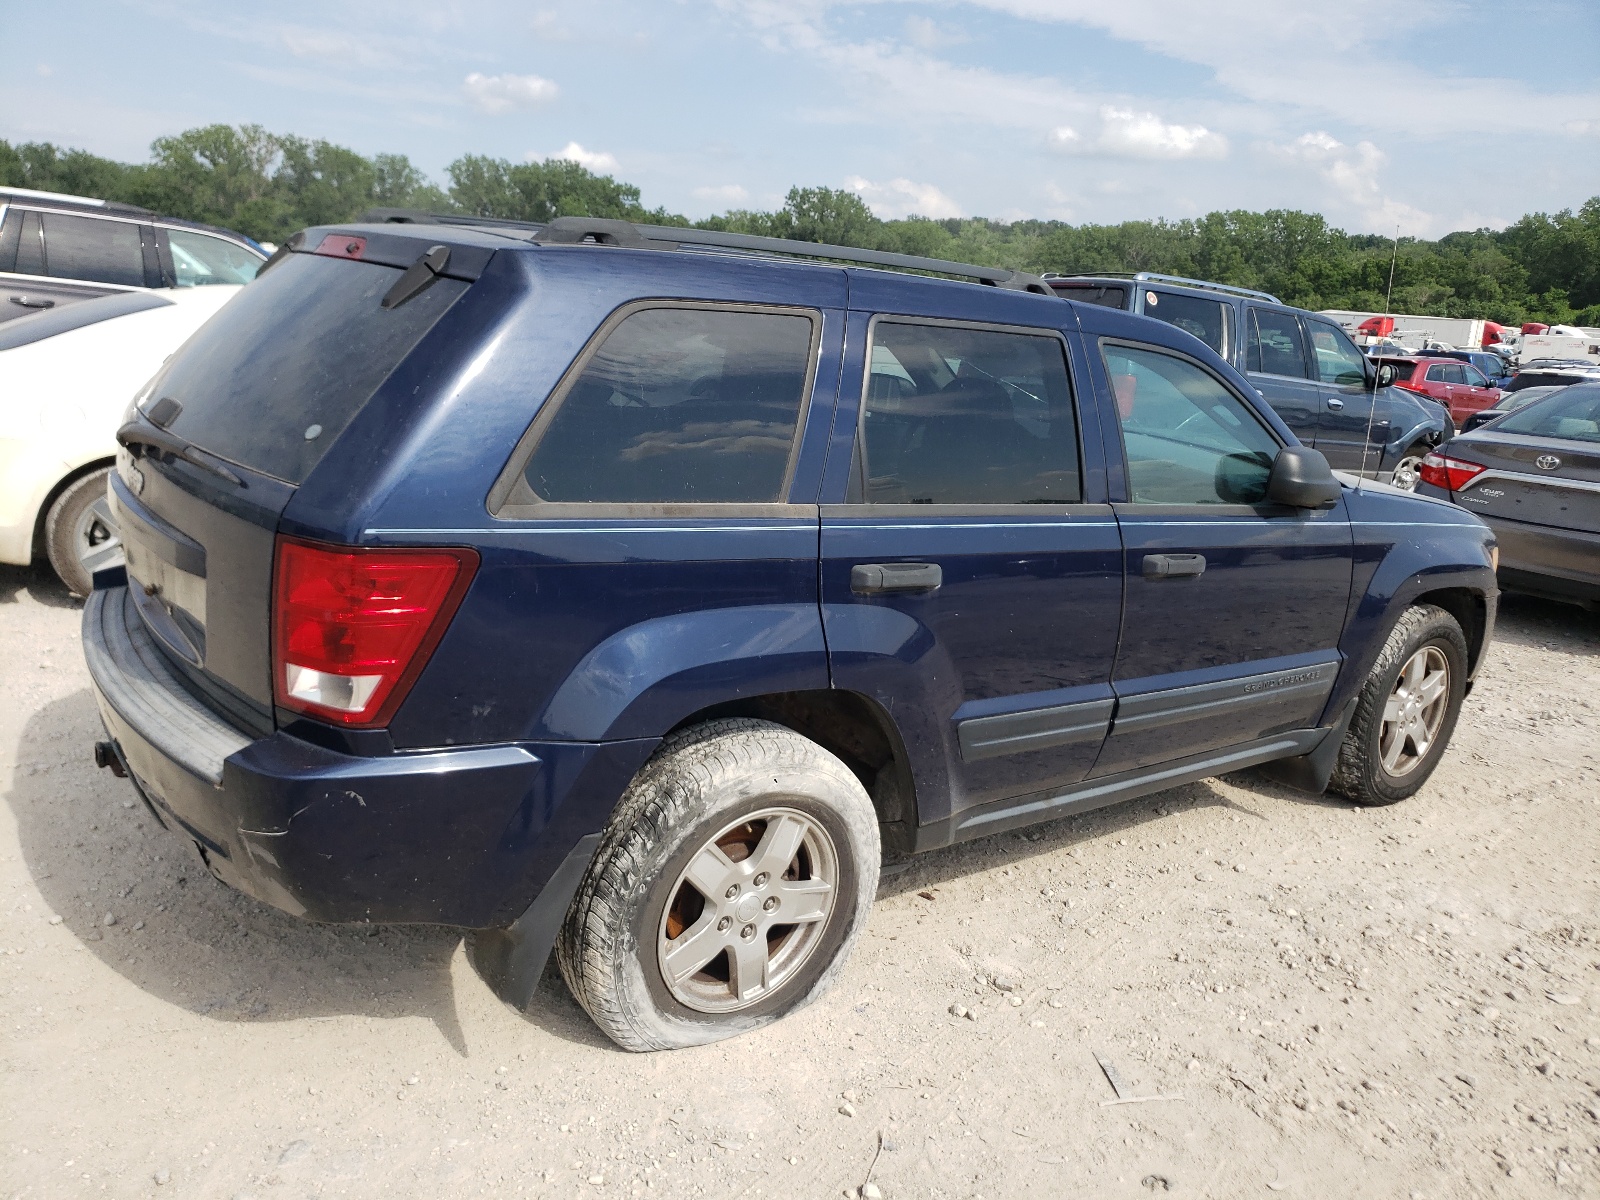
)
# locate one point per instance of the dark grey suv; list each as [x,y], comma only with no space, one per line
[1303,364]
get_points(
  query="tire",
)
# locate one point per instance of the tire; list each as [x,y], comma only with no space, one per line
[708,806]
[80,536]
[1405,474]
[1383,759]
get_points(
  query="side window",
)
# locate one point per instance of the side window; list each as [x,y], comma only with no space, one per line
[1437,374]
[1338,361]
[103,251]
[966,416]
[1274,344]
[199,259]
[679,406]
[1188,439]
[1474,377]
[1206,319]
[1453,374]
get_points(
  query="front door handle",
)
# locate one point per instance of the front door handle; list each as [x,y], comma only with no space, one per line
[870,579]
[1173,566]
[1335,403]
[27,303]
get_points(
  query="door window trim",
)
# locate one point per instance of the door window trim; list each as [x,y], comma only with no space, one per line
[858,449]
[1180,510]
[504,503]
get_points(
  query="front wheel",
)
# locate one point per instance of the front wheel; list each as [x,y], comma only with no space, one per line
[727,891]
[1406,711]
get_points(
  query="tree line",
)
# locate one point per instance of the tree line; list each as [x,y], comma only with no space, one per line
[1543,267]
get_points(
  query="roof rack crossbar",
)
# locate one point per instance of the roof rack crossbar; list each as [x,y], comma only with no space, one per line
[1156,277]
[609,231]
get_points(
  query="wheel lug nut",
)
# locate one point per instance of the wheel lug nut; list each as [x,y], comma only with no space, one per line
[772,903]
[724,925]
[761,879]
[733,890]
[748,932]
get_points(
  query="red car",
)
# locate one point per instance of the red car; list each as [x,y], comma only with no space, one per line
[1457,385]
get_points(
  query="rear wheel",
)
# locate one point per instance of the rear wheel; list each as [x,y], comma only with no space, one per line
[80,535]
[727,891]
[1408,471]
[1407,710]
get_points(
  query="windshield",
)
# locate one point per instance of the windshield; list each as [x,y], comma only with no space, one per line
[1573,414]
[276,375]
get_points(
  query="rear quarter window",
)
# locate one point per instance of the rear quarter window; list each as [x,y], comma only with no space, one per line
[273,379]
[675,404]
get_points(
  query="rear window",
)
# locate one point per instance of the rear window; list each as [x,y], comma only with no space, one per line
[277,374]
[1573,413]
[1202,318]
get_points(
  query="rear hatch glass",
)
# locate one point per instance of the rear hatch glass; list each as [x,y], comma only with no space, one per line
[273,379]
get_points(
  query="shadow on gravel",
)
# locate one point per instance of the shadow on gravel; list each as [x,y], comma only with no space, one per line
[93,850]
[39,581]
[1531,621]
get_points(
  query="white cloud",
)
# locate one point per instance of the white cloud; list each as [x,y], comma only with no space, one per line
[502,93]
[594,160]
[903,198]
[1124,133]
[1352,172]
[726,193]
[930,35]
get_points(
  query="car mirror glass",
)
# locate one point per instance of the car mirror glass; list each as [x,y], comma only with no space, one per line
[1386,374]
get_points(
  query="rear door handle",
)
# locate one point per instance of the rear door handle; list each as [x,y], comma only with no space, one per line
[1173,566]
[868,579]
[27,303]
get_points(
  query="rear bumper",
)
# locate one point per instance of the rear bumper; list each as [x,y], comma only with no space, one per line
[1563,562]
[462,837]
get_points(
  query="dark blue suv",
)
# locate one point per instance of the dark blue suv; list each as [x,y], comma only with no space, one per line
[640,591]
[1329,393]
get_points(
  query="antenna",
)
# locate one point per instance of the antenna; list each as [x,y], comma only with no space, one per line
[1372,408]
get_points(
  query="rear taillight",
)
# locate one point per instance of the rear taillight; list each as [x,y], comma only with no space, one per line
[1452,474]
[352,627]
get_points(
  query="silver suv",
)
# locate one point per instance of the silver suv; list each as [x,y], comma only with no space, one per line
[57,249]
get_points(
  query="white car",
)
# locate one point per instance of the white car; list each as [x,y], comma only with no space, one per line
[66,377]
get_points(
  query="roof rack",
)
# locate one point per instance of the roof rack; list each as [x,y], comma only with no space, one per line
[1154,277]
[605,231]
[69,198]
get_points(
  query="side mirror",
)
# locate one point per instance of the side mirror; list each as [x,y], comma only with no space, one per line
[1386,374]
[1301,478]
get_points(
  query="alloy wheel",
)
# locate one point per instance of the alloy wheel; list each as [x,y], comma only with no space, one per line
[1414,711]
[748,911]
[1407,473]
[95,538]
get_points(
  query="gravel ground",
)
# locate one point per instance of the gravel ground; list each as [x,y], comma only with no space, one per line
[1317,1000]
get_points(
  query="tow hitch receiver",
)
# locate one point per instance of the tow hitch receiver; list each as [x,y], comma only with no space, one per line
[106,757]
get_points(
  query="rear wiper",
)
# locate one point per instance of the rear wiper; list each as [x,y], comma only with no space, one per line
[137,433]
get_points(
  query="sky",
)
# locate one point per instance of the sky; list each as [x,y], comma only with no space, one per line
[1421,115]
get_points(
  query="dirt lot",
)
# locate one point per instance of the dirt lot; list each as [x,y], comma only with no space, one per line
[1335,1002]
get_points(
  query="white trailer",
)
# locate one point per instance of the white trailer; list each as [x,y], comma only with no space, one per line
[1578,344]
[1415,332]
